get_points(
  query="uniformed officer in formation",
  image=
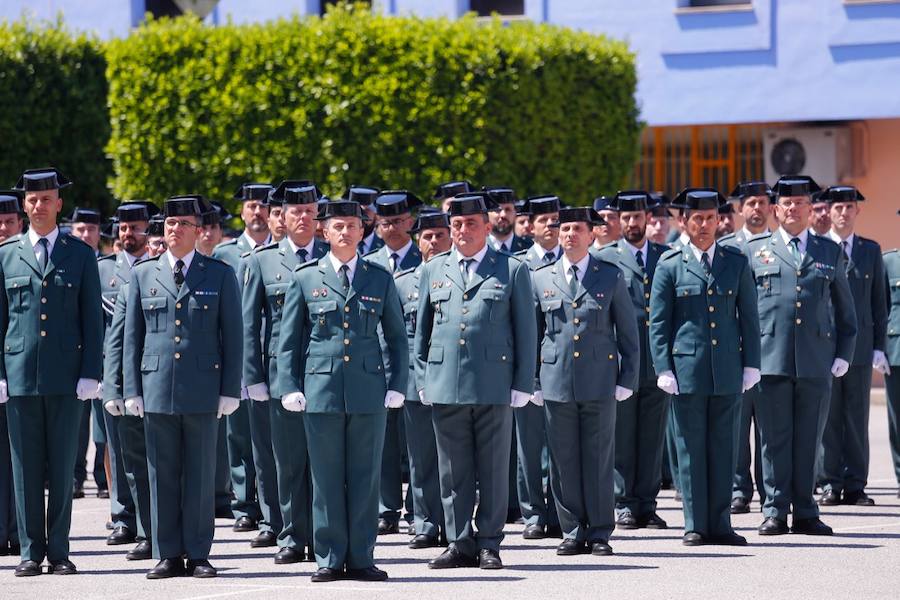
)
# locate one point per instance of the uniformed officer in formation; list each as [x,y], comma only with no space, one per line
[330,367]
[659,219]
[845,442]
[212,232]
[640,419]
[503,220]
[891,371]
[704,338]
[475,352]
[432,229]
[589,360]
[393,209]
[182,364]
[51,333]
[248,504]
[365,196]
[611,229]
[523,227]
[756,208]
[447,191]
[125,432]
[10,225]
[808,336]
[267,276]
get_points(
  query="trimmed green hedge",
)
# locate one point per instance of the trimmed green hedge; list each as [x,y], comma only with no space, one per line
[53,108]
[355,97]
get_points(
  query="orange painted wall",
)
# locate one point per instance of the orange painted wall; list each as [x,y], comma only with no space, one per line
[881,184]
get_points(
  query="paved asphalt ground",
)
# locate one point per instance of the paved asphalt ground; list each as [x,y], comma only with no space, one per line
[860,562]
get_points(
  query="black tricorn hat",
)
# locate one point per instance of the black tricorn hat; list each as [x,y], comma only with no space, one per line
[539,205]
[795,185]
[9,202]
[468,204]
[578,214]
[501,195]
[429,219]
[363,194]
[39,180]
[632,200]
[340,208]
[699,199]
[253,191]
[396,202]
[307,194]
[86,215]
[136,210]
[745,189]
[189,205]
[452,189]
[840,193]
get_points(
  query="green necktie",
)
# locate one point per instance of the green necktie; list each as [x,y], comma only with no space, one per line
[345,278]
[573,282]
[795,250]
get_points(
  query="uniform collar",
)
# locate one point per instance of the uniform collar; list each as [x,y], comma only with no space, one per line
[351,265]
[581,264]
[635,250]
[786,237]
[401,253]
[51,237]
[133,259]
[186,260]
[309,247]
[252,244]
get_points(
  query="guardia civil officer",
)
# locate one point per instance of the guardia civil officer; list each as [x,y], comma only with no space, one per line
[432,229]
[393,210]
[756,208]
[181,367]
[589,359]
[475,352]
[246,506]
[704,338]
[641,418]
[365,195]
[448,190]
[535,503]
[503,220]
[125,432]
[330,366]
[845,442]
[10,225]
[267,276]
[51,333]
[891,371]
[808,327]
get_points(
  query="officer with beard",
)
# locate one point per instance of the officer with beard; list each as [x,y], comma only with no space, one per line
[503,220]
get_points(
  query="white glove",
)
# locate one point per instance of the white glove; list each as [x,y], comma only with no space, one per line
[537,398]
[751,378]
[393,399]
[4,391]
[839,367]
[86,389]
[258,392]
[422,398]
[227,405]
[135,406]
[244,394]
[294,402]
[667,383]
[518,399]
[115,407]
[622,393]
[879,363]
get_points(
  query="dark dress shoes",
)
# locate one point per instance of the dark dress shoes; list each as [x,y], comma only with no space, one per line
[830,498]
[103,494]
[143,551]
[533,532]
[200,569]
[423,541]
[224,512]
[451,558]
[652,521]
[728,539]
[858,498]
[166,568]
[740,506]
[288,555]
[78,492]
[570,548]
[489,559]
[386,527]
[244,524]
[120,536]
[367,574]
[601,549]
[62,567]
[811,527]
[325,574]
[692,538]
[626,521]
[265,539]
[773,526]
[28,568]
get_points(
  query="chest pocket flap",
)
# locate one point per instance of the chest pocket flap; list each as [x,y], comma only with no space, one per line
[766,270]
[440,295]
[322,307]
[688,290]
[17,283]
[550,305]
[154,303]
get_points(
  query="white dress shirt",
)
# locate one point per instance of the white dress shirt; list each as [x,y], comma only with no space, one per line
[803,235]
[839,241]
[477,258]
[33,237]
[309,247]
[556,251]
[643,250]
[351,265]
[133,259]
[504,244]
[698,253]
[401,253]
[186,259]
[582,266]
[253,245]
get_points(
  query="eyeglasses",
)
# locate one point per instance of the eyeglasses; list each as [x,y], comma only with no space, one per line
[158,244]
[180,223]
[398,223]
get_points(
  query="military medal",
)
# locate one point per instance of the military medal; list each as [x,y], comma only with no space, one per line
[112,283]
[324,292]
[315,293]
[152,291]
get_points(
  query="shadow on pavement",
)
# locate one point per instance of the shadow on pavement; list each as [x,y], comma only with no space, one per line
[451,579]
[591,567]
[798,545]
[685,554]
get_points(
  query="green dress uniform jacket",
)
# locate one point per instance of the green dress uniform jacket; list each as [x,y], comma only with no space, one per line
[589,345]
[329,349]
[516,244]
[892,381]
[845,441]
[51,334]
[641,419]
[704,328]
[807,320]
[476,340]
[267,276]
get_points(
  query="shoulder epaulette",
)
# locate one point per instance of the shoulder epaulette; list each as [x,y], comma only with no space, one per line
[106,257]
[894,251]
[731,249]
[760,236]
[405,272]
[374,264]
[271,246]
[445,253]
[11,240]
[672,253]
[146,260]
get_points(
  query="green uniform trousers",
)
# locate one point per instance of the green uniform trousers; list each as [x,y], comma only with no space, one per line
[640,438]
[790,414]
[264,467]
[535,498]
[43,436]
[892,387]
[292,468]
[424,481]
[345,463]
[473,444]
[181,460]
[121,505]
[743,480]
[223,469]
[240,458]
[845,442]
[391,501]
[706,429]
[9,531]
[582,465]
[134,458]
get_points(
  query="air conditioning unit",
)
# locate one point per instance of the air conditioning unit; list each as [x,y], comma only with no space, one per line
[823,153]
